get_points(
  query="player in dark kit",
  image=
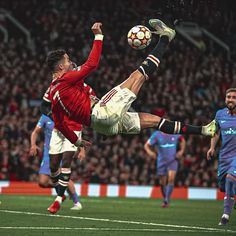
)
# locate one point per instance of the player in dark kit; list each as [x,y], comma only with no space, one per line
[109,116]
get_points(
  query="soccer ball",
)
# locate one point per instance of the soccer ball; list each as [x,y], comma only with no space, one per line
[139,37]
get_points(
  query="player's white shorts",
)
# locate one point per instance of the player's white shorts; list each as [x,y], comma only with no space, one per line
[60,144]
[110,115]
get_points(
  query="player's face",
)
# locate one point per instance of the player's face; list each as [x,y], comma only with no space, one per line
[230,100]
[67,63]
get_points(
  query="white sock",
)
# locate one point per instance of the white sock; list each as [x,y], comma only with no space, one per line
[59,199]
[225,216]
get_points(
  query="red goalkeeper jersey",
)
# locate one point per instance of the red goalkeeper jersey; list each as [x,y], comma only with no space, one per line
[69,97]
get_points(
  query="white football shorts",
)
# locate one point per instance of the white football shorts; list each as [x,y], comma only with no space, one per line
[110,115]
[60,144]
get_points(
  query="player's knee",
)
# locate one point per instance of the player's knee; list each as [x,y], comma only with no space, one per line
[171,181]
[53,166]
[130,123]
[162,181]
[136,75]
[231,177]
[43,184]
[66,163]
[53,169]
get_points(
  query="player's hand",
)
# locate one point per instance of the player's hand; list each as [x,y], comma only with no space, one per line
[96,28]
[34,150]
[179,155]
[86,144]
[210,153]
[81,154]
[153,155]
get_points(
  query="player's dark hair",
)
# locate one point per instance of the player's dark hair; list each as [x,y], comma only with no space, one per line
[53,58]
[230,90]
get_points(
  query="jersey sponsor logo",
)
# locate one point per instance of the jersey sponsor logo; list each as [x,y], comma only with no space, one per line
[168,145]
[230,131]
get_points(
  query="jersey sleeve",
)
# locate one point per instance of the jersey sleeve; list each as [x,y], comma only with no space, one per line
[41,121]
[89,66]
[46,96]
[217,117]
[89,90]
[68,133]
[153,139]
[45,107]
[62,126]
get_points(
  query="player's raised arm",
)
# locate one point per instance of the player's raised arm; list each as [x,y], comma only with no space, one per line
[93,59]
[45,108]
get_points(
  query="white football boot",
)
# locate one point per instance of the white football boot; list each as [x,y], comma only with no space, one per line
[77,207]
[162,29]
[210,129]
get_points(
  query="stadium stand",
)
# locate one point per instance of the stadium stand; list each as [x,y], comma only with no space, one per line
[189,86]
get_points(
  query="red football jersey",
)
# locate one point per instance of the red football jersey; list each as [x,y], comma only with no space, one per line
[69,96]
[71,124]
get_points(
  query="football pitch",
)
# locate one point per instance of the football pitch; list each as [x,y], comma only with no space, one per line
[27,215]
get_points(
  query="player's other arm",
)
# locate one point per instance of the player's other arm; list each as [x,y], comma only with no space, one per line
[72,137]
[150,150]
[69,133]
[33,138]
[62,126]
[45,108]
[93,59]
[214,140]
[182,147]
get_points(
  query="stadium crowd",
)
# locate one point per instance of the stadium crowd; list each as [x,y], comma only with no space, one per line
[189,86]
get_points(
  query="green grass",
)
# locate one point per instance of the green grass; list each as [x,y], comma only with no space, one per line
[27,215]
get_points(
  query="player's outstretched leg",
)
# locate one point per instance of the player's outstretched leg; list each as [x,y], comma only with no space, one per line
[74,196]
[63,181]
[151,63]
[230,184]
[175,127]
[153,60]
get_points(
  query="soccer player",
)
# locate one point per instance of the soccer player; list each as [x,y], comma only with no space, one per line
[62,151]
[109,116]
[46,124]
[226,120]
[167,159]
